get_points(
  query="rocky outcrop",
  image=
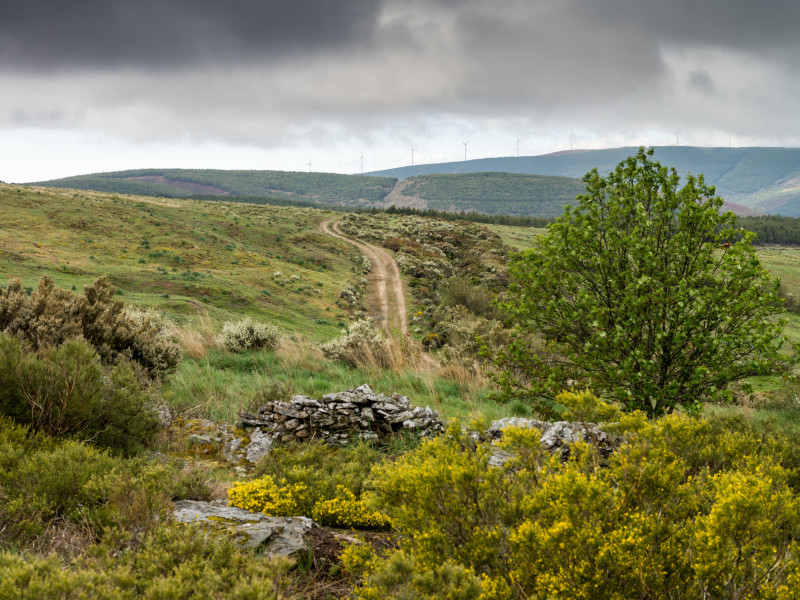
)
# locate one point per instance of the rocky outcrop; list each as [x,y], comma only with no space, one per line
[338,418]
[556,438]
[210,440]
[273,536]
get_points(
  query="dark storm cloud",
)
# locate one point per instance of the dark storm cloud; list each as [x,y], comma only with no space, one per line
[247,71]
[166,33]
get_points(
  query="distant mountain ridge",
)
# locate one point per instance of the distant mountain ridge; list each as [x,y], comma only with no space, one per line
[766,180]
[751,180]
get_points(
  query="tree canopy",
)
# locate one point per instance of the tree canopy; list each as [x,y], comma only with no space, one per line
[643,292]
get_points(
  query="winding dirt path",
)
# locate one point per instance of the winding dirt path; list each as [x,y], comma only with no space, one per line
[383,282]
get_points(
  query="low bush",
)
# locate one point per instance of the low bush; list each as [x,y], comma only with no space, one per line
[246,334]
[47,317]
[175,561]
[360,344]
[314,480]
[684,508]
[463,336]
[45,482]
[286,499]
[65,390]
[459,291]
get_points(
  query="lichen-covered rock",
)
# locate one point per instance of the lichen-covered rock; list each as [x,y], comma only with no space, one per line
[339,417]
[221,441]
[273,536]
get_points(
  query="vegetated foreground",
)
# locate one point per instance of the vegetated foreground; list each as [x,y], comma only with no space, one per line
[678,506]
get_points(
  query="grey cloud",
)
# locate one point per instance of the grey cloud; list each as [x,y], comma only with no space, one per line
[167,33]
[265,72]
[700,81]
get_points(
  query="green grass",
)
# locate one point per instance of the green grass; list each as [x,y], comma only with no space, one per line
[189,258]
[223,384]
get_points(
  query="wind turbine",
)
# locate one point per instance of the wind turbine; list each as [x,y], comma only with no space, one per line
[362,163]
[309,165]
[625,132]
[412,155]
[465,149]
[677,133]
[570,139]
[518,140]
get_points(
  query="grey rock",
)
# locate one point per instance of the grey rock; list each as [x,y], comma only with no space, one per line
[274,536]
[352,413]
[556,438]
[496,428]
[196,439]
[260,446]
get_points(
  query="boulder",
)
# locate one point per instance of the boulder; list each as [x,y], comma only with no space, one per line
[274,536]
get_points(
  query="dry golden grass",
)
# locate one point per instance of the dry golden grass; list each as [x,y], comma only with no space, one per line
[197,340]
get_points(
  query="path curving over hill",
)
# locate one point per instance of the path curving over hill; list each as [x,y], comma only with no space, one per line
[383,282]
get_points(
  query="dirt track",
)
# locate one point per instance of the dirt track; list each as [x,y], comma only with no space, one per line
[383,282]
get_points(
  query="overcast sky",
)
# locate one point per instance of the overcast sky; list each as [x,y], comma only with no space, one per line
[100,85]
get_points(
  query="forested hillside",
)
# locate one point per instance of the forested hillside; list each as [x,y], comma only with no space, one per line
[325,188]
[764,179]
[490,193]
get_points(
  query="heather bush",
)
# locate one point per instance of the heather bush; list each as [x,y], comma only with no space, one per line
[66,390]
[361,343]
[175,561]
[246,334]
[684,508]
[45,482]
[49,316]
[459,291]
[463,335]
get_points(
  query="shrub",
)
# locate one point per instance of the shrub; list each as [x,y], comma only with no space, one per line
[361,343]
[48,317]
[316,480]
[343,509]
[246,334]
[684,508]
[44,481]
[176,561]
[462,334]
[65,390]
[459,291]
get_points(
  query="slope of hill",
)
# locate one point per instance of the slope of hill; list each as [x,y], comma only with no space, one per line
[186,257]
[751,180]
[325,188]
[764,179]
[490,193]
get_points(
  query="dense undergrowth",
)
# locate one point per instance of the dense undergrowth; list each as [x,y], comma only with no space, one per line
[687,507]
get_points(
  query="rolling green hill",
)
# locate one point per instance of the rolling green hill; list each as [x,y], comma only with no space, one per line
[191,259]
[490,193]
[763,179]
[759,180]
[324,188]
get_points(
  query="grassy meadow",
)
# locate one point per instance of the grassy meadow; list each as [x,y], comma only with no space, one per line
[204,263]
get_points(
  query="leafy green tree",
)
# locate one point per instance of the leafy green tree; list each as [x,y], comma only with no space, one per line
[643,292]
